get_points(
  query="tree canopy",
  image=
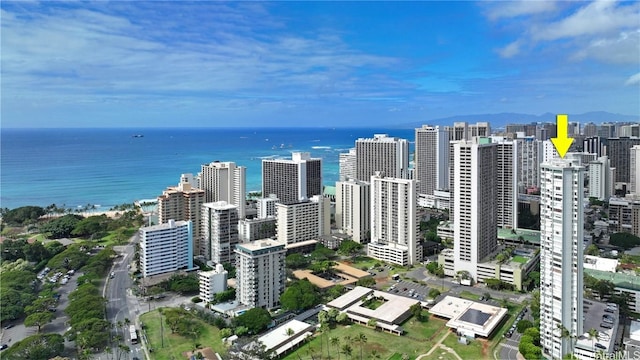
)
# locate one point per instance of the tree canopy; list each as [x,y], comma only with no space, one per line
[22,215]
[61,227]
[624,240]
[255,320]
[36,347]
[300,295]
[349,248]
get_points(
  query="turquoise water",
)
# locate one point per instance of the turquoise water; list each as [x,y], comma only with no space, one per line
[106,167]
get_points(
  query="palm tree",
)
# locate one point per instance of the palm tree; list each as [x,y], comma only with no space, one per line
[289,332]
[374,354]
[335,341]
[593,335]
[346,349]
[324,328]
[361,338]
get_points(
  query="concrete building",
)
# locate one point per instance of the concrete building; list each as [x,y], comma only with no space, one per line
[266,206]
[256,229]
[561,255]
[348,165]
[220,230]
[292,180]
[394,223]
[507,183]
[549,151]
[183,203]
[529,157]
[590,130]
[303,221]
[475,202]
[624,215]
[607,130]
[224,181]
[389,155]
[629,130]
[594,145]
[619,152]
[212,282]
[600,183]
[260,273]
[353,206]
[431,159]
[166,248]
[634,170]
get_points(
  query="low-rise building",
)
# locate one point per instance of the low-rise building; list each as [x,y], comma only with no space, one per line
[469,318]
[603,318]
[212,282]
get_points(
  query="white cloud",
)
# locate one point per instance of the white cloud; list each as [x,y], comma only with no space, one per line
[599,17]
[508,9]
[633,79]
[510,50]
[623,49]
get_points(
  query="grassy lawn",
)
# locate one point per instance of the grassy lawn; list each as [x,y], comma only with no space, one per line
[440,354]
[118,237]
[469,295]
[519,259]
[476,349]
[362,262]
[418,339]
[175,345]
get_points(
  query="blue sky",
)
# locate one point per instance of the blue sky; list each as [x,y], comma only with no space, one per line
[165,64]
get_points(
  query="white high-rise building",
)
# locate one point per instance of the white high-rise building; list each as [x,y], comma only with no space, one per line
[260,273]
[292,180]
[600,183]
[475,201]
[529,160]
[224,181]
[267,206]
[212,282]
[549,151]
[348,165]
[307,220]
[166,248]
[394,223]
[561,255]
[388,155]
[431,159]
[353,198]
[507,183]
[634,170]
[256,229]
[220,230]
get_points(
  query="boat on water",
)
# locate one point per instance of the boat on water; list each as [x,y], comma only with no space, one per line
[137,136]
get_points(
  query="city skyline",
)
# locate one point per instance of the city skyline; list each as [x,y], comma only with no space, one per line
[293,63]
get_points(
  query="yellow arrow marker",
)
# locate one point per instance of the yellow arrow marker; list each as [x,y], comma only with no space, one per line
[562,142]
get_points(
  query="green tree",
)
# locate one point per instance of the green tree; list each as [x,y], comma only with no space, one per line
[416,311]
[300,295]
[346,349]
[434,293]
[296,261]
[61,227]
[593,335]
[36,347]
[366,282]
[624,240]
[39,319]
[23,215]
[256,320]
[322,253]
[349,248]
[373,323]
[335,341]
[523,325]
[592,250]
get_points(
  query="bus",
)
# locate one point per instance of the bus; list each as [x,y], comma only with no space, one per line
[133,334]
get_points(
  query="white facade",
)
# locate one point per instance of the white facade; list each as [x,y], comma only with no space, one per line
[475,201]
[166,247]
[353,198]
[389,155]
[549,151]
[256,229]
[220,230]
[212,282]
[561,255]
[267,206]
[303,221]
[394,224]
[292,180]
[634,170]
[529,160]
[224,181]
[431,159]
[348,165]
[260,273]
[507,183]
[600,183]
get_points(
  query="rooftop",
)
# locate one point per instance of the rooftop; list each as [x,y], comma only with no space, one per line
[469,317]
[278,339]
[599,263]
[621,280]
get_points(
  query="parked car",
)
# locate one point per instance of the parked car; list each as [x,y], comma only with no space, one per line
[3,346]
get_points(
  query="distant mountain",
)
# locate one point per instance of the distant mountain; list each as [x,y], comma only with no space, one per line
[502,119]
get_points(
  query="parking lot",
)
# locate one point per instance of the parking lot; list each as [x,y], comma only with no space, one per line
[409,289]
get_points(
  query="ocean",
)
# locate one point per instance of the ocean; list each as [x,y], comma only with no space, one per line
[107,167]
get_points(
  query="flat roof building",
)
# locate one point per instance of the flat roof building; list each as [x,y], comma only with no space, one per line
[166,248]
[260,273]
[292,180]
